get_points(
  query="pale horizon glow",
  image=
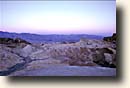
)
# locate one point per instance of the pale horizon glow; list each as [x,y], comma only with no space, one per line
[58,17]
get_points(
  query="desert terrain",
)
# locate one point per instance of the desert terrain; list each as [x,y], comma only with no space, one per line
[86,57]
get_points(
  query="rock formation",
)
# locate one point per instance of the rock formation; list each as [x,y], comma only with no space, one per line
[86,52]
[13,43]
[110,38]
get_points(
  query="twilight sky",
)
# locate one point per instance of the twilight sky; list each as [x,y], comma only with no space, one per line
[58,17]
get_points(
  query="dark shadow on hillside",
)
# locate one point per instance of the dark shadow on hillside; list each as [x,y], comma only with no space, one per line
[118,78]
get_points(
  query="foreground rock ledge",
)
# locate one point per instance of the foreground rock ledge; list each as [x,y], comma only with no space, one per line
[68,71]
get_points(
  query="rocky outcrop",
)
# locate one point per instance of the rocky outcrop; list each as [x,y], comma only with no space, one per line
[11,40]
[6,40]
[7,58]
[110,38]
[27,50]
[13,43]
[104,57]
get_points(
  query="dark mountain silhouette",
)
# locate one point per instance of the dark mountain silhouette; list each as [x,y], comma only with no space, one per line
[36,38]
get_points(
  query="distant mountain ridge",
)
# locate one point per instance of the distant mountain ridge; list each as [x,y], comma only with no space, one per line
[36,38]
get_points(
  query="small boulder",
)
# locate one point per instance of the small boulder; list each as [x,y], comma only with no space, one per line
[108,58]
